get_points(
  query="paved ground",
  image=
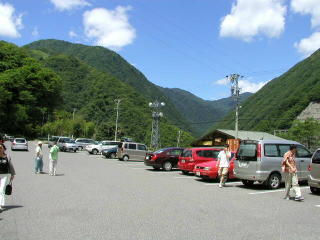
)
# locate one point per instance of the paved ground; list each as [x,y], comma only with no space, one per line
[94,198]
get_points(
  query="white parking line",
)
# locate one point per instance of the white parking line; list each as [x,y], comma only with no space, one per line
[272,191]
[317,206]
[228,184]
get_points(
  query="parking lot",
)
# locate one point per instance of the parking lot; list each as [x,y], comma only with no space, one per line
[97,198]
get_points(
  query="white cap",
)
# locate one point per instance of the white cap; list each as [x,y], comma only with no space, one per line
[39,142]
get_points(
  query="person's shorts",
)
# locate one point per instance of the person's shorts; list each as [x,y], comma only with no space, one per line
[223,171]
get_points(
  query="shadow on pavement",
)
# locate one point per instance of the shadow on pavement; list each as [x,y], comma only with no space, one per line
[161,171]
[9,207]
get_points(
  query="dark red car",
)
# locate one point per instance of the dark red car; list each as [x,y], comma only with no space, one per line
[193,156]
[209,170]
[166,158]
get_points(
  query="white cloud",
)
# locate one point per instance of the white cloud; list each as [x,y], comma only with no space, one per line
[62,5]
[245,85]
[250,18]
[35,32]
[109,28]
[73,34]
[305,7]
[10,23]
[309,45]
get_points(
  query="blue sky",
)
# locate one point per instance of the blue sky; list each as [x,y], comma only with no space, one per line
[188,44]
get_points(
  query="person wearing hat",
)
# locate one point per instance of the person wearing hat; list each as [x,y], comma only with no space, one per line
[39,158]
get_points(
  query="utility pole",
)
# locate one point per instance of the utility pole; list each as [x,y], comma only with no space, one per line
[156,115]
[179,136]
[74,110]
[235,93]
[117,101]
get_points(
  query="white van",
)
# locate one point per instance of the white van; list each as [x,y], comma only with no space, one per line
[261,161]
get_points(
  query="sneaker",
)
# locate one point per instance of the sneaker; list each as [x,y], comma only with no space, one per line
[299,198]
[286,198]
[220,186]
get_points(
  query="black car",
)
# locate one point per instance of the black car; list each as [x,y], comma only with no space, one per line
[166,158]
[110,153]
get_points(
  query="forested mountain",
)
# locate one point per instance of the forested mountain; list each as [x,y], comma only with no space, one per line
[280,101]
[112,63]
[200,113]
[92,93]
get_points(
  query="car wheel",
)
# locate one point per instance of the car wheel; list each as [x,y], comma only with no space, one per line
[125,158]
[75,150]
[94,151]
[167,166]
[156,168]
[113,155]
[185,172]
[274,181]
[80,148]
[248,183]
[315,190]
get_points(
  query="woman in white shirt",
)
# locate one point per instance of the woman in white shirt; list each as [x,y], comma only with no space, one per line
[39,158]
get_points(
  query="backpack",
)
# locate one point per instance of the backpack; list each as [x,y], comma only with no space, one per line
[4,166]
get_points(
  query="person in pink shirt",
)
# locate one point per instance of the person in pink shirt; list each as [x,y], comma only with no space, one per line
[290,172]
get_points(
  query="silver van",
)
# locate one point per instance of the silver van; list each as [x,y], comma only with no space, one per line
[314,177]
[261,161]
[132,151]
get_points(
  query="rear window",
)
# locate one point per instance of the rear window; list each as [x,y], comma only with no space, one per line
[248,152]
[175,152]
[186,153]
[316,158]
[20,140]
[271,150]
[208,153]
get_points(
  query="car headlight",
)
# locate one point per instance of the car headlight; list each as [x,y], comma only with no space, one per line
[207,168]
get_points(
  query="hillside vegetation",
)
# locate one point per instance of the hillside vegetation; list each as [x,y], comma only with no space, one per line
[280,101]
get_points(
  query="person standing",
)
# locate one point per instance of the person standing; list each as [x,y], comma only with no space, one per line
[223,164]
[7,174]
[289,168]
[53,159]
[39,158]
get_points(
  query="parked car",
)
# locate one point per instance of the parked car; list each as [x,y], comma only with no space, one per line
[99,146]
[83,142]
[166,158]
[67,144]
[110,152]
[193,156]
[19,144]
[52,140]
[314,177]
[132,151]
[261,161]
[209,170]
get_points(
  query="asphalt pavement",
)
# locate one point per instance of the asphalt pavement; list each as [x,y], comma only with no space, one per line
[94,198]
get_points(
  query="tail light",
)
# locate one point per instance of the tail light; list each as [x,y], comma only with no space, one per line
[13,143]
[153,157]
[259,151]
[309,168]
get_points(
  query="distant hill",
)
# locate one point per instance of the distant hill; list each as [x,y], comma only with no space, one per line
[112,63]
[280,101]
[200,113]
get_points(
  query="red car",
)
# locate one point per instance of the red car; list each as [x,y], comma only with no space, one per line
[209,170]
[193,156]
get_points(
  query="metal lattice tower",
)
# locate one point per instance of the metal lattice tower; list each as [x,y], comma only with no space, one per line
[235,93]
[156,115]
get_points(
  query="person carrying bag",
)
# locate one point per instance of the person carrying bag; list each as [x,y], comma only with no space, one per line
[7,174]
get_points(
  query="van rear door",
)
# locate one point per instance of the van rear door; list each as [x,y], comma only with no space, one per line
[303,160]
[246,160]
[315,166]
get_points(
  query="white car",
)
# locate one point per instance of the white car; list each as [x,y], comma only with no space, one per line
[19,144]
[97,148]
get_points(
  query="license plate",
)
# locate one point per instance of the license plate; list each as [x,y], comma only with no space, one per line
[198,173]
[183,161]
